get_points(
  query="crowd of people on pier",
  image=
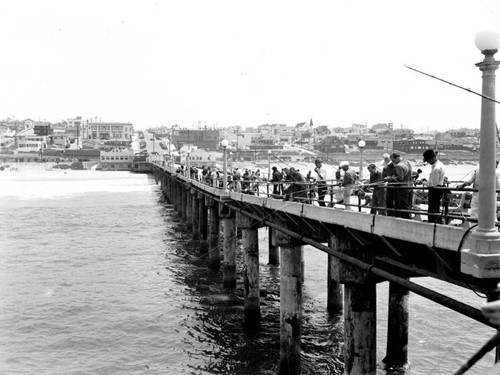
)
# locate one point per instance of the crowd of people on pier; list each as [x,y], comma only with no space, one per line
[393,187]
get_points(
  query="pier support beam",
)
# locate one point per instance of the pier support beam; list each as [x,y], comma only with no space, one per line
[203,220]
[250,236]
[195,215]
[397,326]
[213,236]
[189,207]
[360,334]
[360,329]
[334,287]
[274,251]
[229,246]
[176,195]
[185,205]
[291,252]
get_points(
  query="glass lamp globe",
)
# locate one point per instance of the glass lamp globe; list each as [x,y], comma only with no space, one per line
[224,143]
[487,40]
[361,144]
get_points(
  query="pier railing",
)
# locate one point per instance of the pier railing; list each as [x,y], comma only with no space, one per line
[363,248]
[454,205]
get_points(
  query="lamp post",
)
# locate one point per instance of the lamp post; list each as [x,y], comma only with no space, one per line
[224,143]
[269,153]
[482,260]
[488,43]
[188,166]
[361,147]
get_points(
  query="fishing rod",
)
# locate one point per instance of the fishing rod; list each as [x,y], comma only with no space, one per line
[453,84]
[489,345]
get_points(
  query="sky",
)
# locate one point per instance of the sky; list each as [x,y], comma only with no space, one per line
[220,63]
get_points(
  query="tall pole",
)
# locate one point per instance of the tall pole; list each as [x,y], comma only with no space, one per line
[361,165]
[224,173]
[482,260]
[269,165]
[487,165]
[361,146]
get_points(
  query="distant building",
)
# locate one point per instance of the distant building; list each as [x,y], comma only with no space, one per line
[204,139]
[118,159]
[112,133]
[42,128]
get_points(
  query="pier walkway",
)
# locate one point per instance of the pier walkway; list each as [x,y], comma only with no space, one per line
[363,249]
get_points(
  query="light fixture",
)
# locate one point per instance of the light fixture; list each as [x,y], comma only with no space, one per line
[487,40]
[224,143]
[361,144]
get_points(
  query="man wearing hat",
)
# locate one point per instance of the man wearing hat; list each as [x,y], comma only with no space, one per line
[436,180]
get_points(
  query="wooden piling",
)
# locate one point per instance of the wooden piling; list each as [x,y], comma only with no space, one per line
[274,251]
[176,195]
[360,328]
[251,280]
[334,287]
[203,220]
[195,215]
[189,206]
[184,195]
[291,254]
[213,236]
[397,326]
[229,247]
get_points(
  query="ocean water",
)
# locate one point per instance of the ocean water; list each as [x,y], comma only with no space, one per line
[98,275]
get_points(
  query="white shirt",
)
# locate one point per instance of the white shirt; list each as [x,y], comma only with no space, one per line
[323,172]
[436,177]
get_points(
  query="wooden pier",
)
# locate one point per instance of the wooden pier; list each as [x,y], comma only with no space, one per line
[363,249]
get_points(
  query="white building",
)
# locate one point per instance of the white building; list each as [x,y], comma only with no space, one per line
[118,159]
[117,133]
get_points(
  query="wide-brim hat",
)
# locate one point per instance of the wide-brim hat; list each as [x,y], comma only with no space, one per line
[344,164]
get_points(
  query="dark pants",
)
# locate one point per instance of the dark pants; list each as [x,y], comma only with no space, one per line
[322,189]
[434,206]
[402,201]
[389,201]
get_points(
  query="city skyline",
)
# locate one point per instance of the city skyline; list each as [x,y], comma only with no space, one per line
[223,63]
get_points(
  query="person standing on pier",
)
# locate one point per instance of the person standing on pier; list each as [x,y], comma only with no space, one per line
[321,177]
[401,178]
[349,180]
[379,191]
[436,180]
[389,169]
[474,181]
[277,176]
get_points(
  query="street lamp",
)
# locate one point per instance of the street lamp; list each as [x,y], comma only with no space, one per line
[361,147]
[482,260]
[224,143]
[269,153]
[188,166]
